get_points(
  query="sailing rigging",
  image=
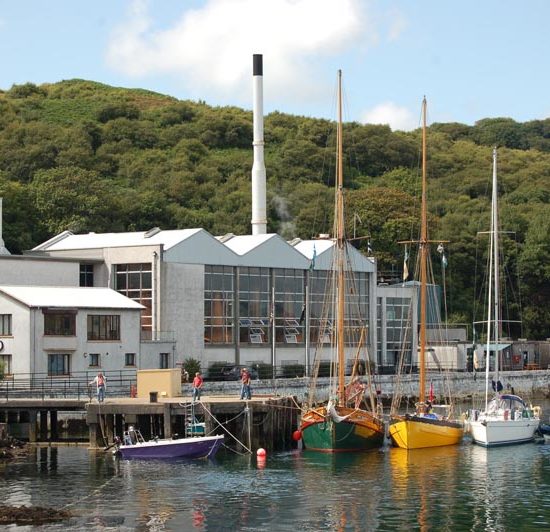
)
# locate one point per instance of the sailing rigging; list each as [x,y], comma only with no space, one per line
[506,418]
[424,428]
[340,424]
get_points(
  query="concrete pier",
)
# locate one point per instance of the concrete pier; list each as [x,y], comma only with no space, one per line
[264,421]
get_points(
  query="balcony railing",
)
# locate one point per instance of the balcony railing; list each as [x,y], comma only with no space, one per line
[157,336]
[74,386]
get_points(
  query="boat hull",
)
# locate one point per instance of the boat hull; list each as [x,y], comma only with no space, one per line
[414,432]
[497,432]
[203,447]
[359,431]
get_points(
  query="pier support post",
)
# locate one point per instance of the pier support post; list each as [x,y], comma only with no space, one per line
[110,428]
[43,425]
[209,425]
[119,425]
[54,436]
[33,416]
[249,425]
[167,420]
[93,435]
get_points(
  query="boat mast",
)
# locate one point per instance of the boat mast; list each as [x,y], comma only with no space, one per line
[496,263]
[423,261]
[492,282]
[340,248]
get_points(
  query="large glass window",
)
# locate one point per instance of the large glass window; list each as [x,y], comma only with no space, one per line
[219,294]
[58,364]
[5,324]
[254,305]
[379,331]
[135,282]
[103,327]
[323,305]
[398,329]
[289,306]
[62,323]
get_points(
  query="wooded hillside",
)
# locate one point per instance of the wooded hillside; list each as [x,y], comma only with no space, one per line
[84,156]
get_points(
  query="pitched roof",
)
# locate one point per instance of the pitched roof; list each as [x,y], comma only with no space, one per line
[242,244]
[68,241]
[68,296]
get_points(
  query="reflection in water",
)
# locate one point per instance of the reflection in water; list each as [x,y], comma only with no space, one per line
[447,488]
[424,477]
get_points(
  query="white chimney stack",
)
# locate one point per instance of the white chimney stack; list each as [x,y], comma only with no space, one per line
[259,216]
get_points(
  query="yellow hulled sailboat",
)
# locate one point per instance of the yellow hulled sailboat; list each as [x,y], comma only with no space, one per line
[425,427]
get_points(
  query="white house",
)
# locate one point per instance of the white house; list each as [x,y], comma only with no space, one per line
[64,330]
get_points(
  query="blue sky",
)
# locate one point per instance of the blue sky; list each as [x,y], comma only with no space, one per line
[473,59]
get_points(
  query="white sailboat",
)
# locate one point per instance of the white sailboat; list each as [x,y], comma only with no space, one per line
[506,418]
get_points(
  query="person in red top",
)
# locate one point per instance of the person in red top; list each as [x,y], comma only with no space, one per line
[245,384]
[197,386]
[101,383]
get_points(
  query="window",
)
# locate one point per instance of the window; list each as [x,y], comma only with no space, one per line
[86,275]
[59,323]
[94,360]
[130,359]
[5,364]
[289,305]
[103,327]
[5,324]
[135,282]
[254,305]
[398,329]
[58,364]
[356,312]
[164,360]
[218,304]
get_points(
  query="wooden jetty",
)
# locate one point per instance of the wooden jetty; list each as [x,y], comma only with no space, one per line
[266,421]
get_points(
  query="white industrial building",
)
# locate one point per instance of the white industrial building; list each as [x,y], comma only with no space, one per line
[238,299]
[214,296]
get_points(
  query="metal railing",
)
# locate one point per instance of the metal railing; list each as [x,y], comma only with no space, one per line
[158,336]
[74,386]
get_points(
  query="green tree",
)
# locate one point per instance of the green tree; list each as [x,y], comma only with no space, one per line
[73,198]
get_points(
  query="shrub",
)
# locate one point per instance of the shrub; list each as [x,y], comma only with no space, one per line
[324,369]
[26,90]
[265,371]
[293,370]
[214,372]
[191,365]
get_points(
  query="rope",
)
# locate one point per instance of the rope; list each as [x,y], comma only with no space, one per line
[224,429]
[95,492]
[234,450]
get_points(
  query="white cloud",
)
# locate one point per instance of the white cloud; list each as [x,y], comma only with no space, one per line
[389,113]
[397,25]
[209,48]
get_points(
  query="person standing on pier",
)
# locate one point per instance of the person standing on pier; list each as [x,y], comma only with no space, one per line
[245,384]
[197,386]
[101,385]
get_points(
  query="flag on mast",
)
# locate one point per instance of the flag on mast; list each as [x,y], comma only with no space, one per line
[405,265]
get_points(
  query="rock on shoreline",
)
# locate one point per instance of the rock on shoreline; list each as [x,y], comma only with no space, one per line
[31,515]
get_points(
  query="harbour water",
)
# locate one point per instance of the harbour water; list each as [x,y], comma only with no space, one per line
[464,487]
